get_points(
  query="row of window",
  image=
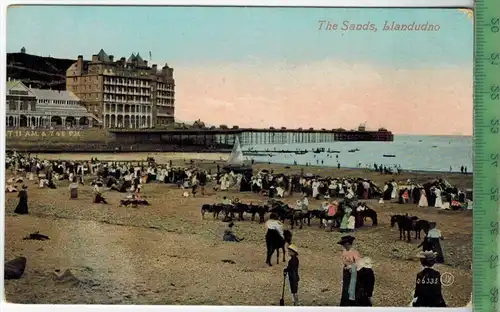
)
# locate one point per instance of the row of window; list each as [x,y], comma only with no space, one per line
[165,93]
[128,82]
[13,106]
[128,110]
[164,102]
[167,86]
[126,90]
[59,102]
[124,98]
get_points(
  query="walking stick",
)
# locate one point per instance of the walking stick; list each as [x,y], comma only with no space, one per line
[282,300]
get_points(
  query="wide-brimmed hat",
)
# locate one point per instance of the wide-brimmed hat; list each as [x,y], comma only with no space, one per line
[293,248]
[429,255]
[346,239]
[365,262]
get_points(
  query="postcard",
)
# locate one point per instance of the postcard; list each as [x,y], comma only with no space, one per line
[250,156]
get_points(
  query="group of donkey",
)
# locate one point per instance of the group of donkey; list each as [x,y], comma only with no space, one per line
[407,224]
[286,213]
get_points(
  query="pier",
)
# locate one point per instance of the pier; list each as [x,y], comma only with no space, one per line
[224,138]
[180,140]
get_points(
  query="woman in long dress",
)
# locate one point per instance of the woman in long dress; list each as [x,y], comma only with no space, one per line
[349,258]
[345,220]
[439,200]
[22,206]
[423,199]
[315,190]
[434,237]
[394,192]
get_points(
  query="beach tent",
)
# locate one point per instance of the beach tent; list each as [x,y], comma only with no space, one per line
[236,157]
[236,162]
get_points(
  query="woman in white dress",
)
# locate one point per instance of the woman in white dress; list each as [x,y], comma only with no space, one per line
[394,190]
[315,186]
[439,201]
[423,199]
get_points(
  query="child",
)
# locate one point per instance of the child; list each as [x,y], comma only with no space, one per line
[292,270]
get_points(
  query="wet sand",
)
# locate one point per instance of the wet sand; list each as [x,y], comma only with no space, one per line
[161,158]
[165,253]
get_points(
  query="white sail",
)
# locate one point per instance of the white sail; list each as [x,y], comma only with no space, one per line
[236,157]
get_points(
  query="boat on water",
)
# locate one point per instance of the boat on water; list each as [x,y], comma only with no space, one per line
[318,150]
[389,155]
[353,150]
[255,154]
[300,152]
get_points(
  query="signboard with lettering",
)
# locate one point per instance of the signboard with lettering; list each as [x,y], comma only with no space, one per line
[41,134]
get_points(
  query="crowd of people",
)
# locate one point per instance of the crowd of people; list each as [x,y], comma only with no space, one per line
[358,279]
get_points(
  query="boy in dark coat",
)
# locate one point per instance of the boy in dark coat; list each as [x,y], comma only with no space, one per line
[428,285]
[292,270]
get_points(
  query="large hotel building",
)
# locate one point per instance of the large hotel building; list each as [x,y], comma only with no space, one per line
[125,93]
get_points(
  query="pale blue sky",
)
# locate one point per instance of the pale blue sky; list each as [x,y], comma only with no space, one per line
[204,35]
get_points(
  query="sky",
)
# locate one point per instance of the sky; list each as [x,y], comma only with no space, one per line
[262,67]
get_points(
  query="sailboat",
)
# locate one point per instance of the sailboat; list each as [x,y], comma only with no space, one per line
[236,161]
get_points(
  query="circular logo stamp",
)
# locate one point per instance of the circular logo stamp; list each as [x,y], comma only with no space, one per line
[447,279]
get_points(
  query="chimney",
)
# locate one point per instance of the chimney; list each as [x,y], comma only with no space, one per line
[155,68]
[95,58]
[111,58]
[145,63]
[79,61]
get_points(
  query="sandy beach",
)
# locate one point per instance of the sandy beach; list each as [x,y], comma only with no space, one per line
[166,254]
[160,158]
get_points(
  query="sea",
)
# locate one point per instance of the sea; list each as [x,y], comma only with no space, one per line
[411,153]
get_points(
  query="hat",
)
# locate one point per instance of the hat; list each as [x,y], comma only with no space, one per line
[293,248]
[231,224]
[346,239]
[427,255]
[365,262]
[25,186]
